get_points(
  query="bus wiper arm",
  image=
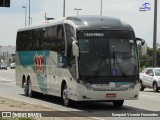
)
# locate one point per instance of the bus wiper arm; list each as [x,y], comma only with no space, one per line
[103,58]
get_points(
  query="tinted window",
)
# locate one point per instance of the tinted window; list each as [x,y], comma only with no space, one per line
[149,71]
[47,38]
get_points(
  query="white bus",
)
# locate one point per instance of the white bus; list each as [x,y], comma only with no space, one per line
[82,58]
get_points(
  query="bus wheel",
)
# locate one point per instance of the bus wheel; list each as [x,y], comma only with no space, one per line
[30,92]
[25,89]
[65,98]
[118,103]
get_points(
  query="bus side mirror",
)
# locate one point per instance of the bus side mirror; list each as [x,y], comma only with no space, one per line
[75,48]
[142,46]
[141,40]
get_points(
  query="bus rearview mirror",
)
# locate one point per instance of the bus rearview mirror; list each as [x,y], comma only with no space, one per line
[141,40]
[142,46]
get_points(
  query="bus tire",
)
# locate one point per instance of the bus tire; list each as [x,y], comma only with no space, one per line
[25,89]
[66,100]
[118,103]
[31,93]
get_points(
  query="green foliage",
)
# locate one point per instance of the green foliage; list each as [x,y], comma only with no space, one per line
[158,57]
[1,57]
[142,68]
[150,51]
[146,60]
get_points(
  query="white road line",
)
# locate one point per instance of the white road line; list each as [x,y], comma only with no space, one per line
[10,73]
[6,80]
[97,118]
[2,79]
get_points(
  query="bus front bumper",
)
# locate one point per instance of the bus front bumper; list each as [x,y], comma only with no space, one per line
[83,94]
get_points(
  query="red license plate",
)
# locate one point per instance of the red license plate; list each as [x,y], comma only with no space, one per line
[111,95]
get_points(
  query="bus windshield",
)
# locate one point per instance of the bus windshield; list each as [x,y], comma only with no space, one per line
[107,53]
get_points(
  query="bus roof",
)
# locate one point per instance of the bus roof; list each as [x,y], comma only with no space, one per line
[98,22]
[43,24]
[86,22]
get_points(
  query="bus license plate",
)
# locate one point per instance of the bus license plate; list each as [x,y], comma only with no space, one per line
[111,95]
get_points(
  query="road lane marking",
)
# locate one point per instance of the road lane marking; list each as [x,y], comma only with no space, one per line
[2,79]
[9,72]
[6,80]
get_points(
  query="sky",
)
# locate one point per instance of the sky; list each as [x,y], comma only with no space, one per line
[13,18]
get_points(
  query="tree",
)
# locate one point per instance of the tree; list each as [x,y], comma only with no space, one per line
[1,58]
[158,57]
[146,60]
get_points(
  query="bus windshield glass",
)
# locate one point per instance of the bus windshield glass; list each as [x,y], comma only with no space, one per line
[107,53]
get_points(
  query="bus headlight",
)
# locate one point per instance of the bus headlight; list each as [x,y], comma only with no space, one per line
[89,86]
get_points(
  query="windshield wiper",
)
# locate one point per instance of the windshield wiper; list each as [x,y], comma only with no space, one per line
[119,66]
[103,58]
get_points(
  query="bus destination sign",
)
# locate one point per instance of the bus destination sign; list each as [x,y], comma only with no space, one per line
[93,34]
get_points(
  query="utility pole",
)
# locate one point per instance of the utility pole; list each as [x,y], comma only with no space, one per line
[29,13]
[101,9]
[155,35]
[64,9]
[25,14]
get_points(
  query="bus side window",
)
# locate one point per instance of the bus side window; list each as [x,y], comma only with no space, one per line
[54,39]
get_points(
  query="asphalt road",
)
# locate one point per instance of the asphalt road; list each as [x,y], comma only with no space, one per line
[148,102]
